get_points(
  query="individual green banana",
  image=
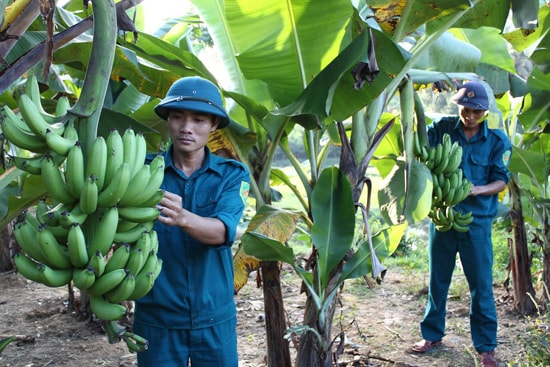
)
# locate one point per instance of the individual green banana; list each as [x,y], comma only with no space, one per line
[76,244]
[453,179]
[44,215]
[445,187]
[103,235]
[33,165]
[98,263]
[430,162]
[55,277]
[464,219]
[30,165]
[145,281]
[155,180]
[457,227]
[129,146]
[70,132]
[438,155]
[455,158]
[32,90]
[59,143]
[417,150]
[35,120]
[140,153]
[139,214]
[62,106]
[444,227]
[89,195]
[115,154]
[106,282]
[74,170]
[136,260]
[54,181]
[124,225]
[133,234]
[154,199]
[143,284]
[97,161]
[27,215]
[68,218]
[154,240]
[122,291]
[441,216]
[27,267]
[25,235]
[115,189]
[443,162]
[105,310]
[119,258]
[134,191]
[450,197]
[450,213]
[150,264]
[447,143]
[57,254]
[424,155]
[84,278]
[22,138]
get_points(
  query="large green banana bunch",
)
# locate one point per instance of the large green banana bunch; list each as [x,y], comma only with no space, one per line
[95,226]
[450,187]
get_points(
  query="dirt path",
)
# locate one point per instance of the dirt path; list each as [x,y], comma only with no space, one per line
[380,323]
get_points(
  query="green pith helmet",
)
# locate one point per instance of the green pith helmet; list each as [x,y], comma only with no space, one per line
[195,94]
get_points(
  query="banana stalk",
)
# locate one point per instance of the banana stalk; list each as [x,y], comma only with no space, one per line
[90,103]
[406,100]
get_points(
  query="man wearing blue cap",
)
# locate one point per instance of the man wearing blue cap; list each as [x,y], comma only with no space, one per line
[190,316]
[486,153]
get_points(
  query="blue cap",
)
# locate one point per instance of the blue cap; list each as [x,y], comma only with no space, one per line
[473,95]
[195,94]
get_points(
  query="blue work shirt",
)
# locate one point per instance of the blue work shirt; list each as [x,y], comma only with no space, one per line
[485,158]
[195,287]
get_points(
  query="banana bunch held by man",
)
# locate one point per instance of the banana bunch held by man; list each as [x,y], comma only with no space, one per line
[95,226]
[450,187]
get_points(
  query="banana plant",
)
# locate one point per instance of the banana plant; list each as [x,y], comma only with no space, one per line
[335,241]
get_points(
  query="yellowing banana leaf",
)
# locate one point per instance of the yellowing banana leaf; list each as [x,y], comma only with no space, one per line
[264,239]
[411,14]
[243,264]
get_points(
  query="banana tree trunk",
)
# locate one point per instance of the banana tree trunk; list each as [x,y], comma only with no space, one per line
[311,352]
[7,243]
[278,354]
[519,257]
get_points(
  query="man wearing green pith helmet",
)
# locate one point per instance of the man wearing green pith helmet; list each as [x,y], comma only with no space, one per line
[485,156]
[190,316]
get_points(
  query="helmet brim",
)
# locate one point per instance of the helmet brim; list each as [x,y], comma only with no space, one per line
[192,104]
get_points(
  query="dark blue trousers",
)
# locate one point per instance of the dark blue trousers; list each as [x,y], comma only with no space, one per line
[475,250]
[204,347]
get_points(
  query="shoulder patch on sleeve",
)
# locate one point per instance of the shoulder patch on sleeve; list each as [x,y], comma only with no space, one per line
[245,188]
[506,157]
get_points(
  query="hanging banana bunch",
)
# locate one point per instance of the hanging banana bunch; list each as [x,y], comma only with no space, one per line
[450,187]
[95,226]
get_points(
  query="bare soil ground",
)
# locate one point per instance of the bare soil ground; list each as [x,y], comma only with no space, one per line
[380,324]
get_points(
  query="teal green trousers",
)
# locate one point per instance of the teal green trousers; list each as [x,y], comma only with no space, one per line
[475,251]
